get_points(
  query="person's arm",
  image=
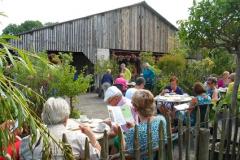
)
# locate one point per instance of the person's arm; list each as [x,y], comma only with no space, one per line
[87,130]
[215,95]
[165,90]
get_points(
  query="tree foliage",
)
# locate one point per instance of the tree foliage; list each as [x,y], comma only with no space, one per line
[172,64]
[55,79]
[15,98]
[63,83]
[215,24]
[23,27]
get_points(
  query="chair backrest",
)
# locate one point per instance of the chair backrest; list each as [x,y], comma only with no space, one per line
[68,154]
[203,112]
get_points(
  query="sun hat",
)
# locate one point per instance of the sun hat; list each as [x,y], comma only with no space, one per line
[112,92]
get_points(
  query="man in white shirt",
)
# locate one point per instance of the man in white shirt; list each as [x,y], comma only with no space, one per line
[140,82]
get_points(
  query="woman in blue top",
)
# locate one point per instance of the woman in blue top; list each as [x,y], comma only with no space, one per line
[173,87]
[202,100]
[143,103]
[212,89]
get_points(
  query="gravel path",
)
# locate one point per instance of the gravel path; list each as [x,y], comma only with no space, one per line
[92,106]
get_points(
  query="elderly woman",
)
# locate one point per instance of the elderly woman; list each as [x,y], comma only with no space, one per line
[143,103]
[202,100]
[122,82]
[55,114]
[223,82]
[212,89]
[114,97]
[230,88]
[173,87]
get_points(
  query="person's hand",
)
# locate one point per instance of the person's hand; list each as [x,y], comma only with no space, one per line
[114,131]
[108,122]
[166,90]
[130,124]
[86,129]
[194,101]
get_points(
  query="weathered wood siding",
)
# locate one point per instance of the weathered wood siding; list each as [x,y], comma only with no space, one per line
[130,28]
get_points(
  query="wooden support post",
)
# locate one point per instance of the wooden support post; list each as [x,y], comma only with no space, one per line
[238,155]
[161,142]
[233,156]
[206,118]
[180,139]
[223,136]
[104,146]
[197,129]
[215,127]
[120,135]
[203,149]
[149,140]
[86,152]
[187,154]
[136,144]
[67,148]
[169,138]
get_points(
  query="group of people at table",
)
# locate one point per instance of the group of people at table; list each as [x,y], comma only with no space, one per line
[56,113]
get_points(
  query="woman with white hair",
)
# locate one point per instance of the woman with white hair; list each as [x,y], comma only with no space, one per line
[55,114]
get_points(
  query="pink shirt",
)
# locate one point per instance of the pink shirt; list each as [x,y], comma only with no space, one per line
[121,81]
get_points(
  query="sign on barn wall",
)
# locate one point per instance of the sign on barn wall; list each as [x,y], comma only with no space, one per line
[103,54]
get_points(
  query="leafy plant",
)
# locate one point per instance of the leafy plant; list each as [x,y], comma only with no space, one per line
[15,98]
[101,66]
[147,57]
[214,24]
[172,64]
[63,83]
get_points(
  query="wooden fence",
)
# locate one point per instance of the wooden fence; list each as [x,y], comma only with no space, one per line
[194,142]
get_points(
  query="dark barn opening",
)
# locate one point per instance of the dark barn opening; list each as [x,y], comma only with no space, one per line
[80,62]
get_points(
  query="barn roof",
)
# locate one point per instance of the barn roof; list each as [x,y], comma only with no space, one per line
[143,3]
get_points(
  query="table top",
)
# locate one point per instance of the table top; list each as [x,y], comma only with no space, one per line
[223,90]
[73,124]
[173,98]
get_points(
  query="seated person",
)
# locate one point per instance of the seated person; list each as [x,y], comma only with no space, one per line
[230,88]
[223,82]
[140,82]
[121,81]
[12,150]
[212,89]
[114,97]
[202,100]
[172,88]
[143,103]
[55,114]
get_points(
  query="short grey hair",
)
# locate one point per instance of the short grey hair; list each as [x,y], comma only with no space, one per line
[55,111]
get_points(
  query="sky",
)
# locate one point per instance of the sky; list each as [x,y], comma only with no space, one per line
[18,11]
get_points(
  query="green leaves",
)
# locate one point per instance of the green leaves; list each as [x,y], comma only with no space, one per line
[212,24]
[172,64]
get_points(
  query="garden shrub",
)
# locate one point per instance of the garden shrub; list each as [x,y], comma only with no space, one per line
[172,64]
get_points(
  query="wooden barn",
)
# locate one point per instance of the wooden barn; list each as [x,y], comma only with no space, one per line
[123,31]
